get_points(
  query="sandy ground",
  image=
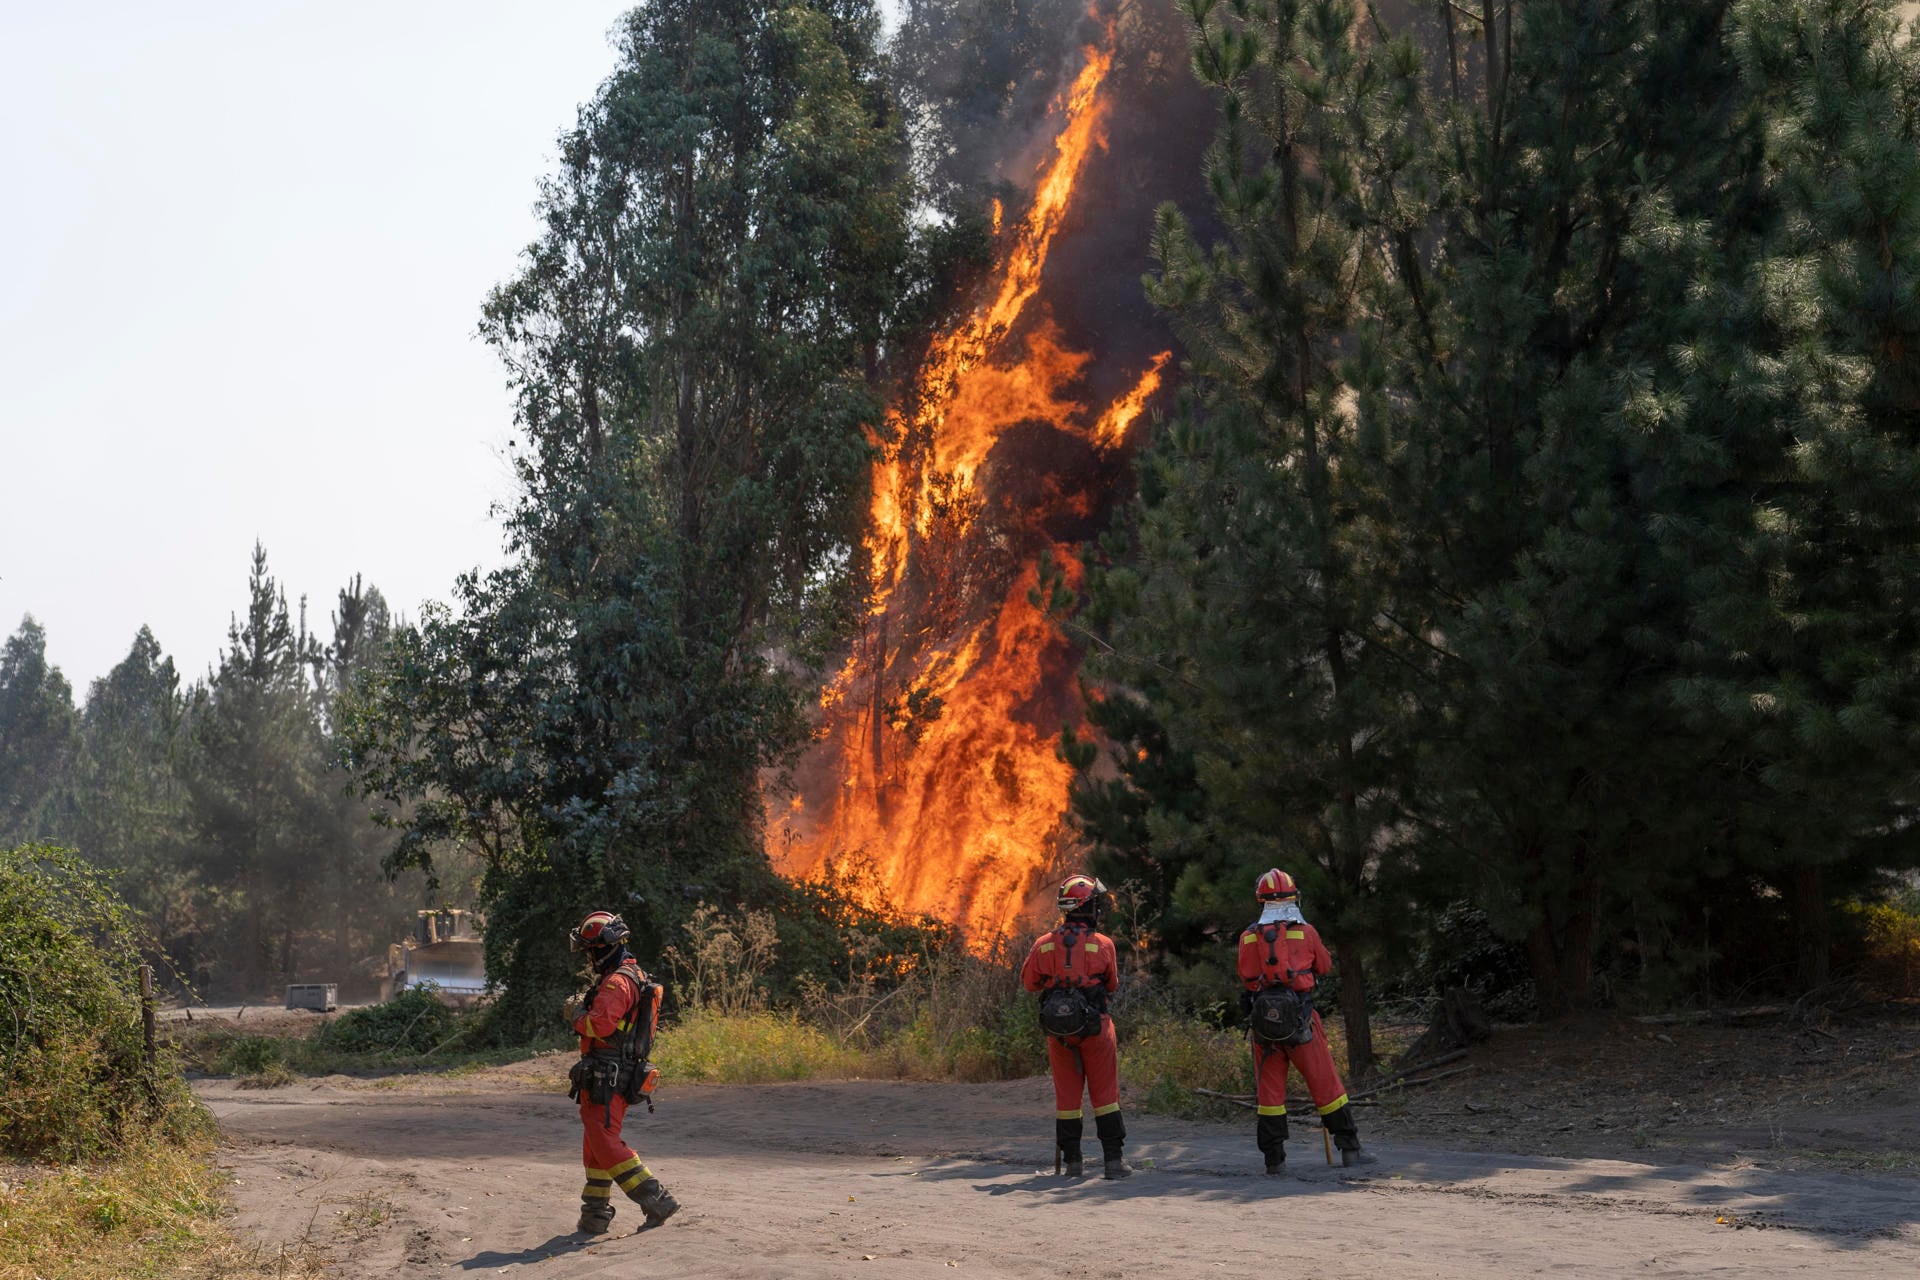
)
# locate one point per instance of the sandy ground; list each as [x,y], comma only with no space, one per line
[429,1176]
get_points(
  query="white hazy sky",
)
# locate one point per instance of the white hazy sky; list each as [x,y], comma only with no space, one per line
[246,245]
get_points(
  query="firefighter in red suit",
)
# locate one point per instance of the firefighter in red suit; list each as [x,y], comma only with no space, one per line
[1078,960]
[1281,948]
[620,994]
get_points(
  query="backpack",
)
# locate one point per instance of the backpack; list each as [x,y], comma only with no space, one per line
[1066,1011]
[1282,1017]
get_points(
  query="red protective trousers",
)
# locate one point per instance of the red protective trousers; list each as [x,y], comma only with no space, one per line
[1090,1063]
[609,1160]
[1315,1061]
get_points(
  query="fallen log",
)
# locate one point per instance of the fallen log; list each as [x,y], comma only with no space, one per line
[1247,1100]
[1358,1098]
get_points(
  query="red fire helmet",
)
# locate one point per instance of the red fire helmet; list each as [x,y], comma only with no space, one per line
[1077,893]
[1275,886]
[599,929]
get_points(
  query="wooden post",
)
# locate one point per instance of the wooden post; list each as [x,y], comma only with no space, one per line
[1326,1140]
[146,1029]
[146,1013]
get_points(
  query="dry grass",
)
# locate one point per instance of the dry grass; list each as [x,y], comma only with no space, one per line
[155,1212]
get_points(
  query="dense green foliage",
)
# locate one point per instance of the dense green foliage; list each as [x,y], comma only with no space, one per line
[695,344]
[74,1081]
[1538,524]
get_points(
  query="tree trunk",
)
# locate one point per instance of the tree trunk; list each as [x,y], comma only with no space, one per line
[1353,1010]
[1812,937]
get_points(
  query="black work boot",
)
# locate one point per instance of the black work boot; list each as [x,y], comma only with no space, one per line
[596,1216]
[1351,1154]
[1270,1135]
[1066,1136]
[1346,1136]
[655,1201]
[1113,1136]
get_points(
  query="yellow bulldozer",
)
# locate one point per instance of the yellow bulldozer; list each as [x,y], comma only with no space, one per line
[444,951]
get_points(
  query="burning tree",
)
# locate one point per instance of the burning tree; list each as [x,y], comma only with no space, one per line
[938,761]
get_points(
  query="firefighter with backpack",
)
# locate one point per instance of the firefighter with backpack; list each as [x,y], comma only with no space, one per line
[615,1020]
[1281,960]
[1073,969]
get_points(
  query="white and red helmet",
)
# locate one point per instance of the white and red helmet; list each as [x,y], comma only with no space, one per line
[1079,894]
[599,929]
[1275,886]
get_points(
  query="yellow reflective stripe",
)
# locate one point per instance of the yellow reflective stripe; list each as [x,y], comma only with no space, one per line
[591,1192]
[1091,946]
[1067,1115]
[598,1173]
[1333,1106]
[1046,946]
[1296,933]
[628,1181]
[631,1162]
[1107,1110]
[1271,1111]
[1246,938]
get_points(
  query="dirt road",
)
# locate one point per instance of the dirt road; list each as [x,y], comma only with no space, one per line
[438,1177]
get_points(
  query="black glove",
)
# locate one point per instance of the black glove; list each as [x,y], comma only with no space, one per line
[1246,1003]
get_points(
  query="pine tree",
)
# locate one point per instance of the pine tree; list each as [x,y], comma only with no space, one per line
[128,798]
[1257,614]
[1802,660]
[37,735]
[253,785]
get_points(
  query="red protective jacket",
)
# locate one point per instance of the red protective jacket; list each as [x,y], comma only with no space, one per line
[1286,952]
[610,1012]
[1071,956]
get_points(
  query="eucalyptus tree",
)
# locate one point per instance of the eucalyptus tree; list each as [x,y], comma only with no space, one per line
[696,343]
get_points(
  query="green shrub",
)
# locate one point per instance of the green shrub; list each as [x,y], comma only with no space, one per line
[74,1081]
[222,1053]
[413,1022]
[1166,1058]
[1889,947]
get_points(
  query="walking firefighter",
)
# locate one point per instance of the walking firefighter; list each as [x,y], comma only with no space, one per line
[1281,960]
[1074,969]
[615,1021]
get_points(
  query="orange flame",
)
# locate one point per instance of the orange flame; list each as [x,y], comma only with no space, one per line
[936,762]
[1111,431]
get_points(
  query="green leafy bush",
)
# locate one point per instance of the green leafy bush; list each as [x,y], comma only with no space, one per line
[74,1081]
[1165,1058]
[413,1022]
[222,1053]
[1888,946]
